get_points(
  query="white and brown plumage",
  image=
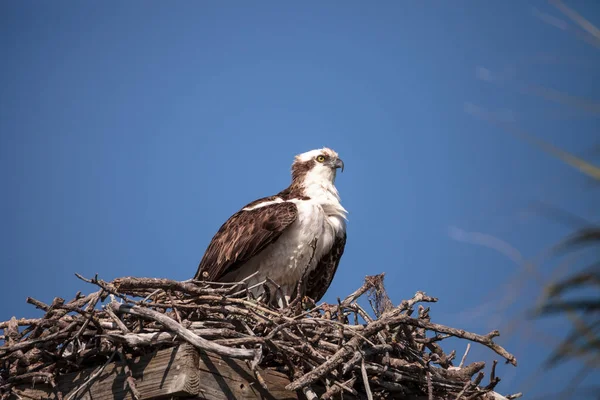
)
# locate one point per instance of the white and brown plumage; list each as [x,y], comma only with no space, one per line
[296,235]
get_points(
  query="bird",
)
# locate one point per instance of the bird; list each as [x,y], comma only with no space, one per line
[288,245]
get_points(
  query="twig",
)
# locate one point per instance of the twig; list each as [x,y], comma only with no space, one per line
[369,282]
[90,309]
[485,340]
[173,306]
[92,377]
[337,387]
[429,385]
[365,380]
[464,390]
[116,319]
[188,335]
[309,393]
[464,357]
[135,393]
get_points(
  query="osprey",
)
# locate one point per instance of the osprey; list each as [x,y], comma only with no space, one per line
[276,242]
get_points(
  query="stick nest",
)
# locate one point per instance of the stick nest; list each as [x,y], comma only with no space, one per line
[388,352]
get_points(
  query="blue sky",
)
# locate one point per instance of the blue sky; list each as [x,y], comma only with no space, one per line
[129,132]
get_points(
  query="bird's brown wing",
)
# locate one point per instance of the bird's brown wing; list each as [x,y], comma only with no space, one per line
[242,236]
[320,278]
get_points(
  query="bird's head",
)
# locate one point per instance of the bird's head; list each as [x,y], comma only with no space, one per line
[316,167]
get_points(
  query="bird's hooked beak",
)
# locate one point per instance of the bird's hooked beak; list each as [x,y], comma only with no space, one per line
[339,164]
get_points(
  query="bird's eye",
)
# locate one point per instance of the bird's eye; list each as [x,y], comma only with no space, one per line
[320,158]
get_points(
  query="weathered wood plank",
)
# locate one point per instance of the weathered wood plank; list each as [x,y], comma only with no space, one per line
[162,373]
[176,372]
[181,372]
[222,379]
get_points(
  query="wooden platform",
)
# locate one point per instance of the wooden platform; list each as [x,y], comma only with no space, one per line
[180,371]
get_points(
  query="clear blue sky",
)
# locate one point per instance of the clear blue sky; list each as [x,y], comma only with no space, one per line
[129,131]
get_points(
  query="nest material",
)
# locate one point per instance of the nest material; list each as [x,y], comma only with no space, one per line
[329,348]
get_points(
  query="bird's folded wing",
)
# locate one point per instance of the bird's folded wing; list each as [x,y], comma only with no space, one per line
[244,235]
[320,278]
